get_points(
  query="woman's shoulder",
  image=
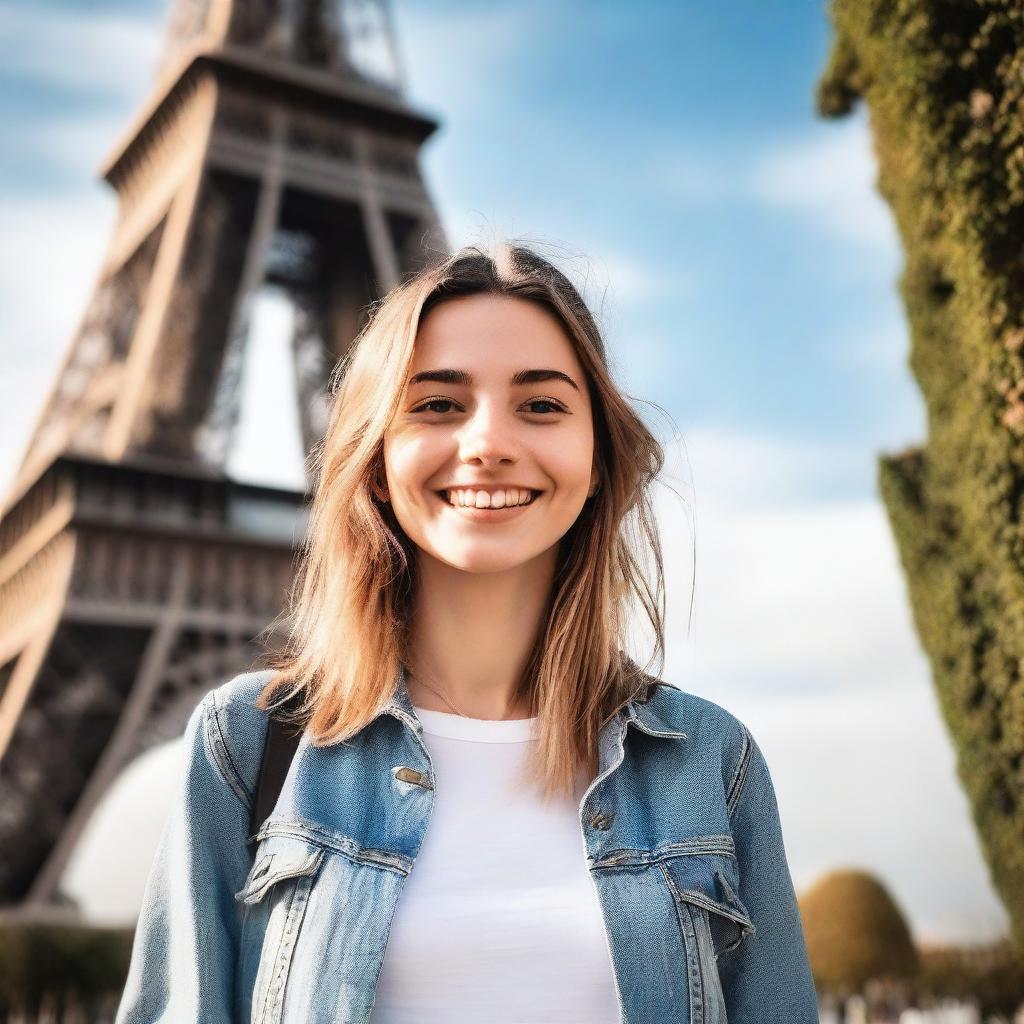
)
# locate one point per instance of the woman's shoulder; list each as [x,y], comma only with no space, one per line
[236,728]
[711,731]
[691,713]
[238,695]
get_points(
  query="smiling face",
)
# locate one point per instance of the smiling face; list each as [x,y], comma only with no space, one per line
[475,416]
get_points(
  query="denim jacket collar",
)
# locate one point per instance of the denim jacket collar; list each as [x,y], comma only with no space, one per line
[304,807]
[684,849]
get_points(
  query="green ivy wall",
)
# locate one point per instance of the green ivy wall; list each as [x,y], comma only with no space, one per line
[943,83]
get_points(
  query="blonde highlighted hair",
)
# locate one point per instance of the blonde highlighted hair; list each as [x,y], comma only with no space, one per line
[356,570]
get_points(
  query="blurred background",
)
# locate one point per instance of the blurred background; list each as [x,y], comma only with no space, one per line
[709,175]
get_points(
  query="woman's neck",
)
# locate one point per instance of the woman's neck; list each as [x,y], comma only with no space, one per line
[472,634]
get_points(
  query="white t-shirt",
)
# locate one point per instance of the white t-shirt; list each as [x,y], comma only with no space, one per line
[499,921]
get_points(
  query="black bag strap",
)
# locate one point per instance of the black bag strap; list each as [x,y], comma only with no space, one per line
[279,748]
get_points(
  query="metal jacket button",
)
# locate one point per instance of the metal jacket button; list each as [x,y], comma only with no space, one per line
[406,774]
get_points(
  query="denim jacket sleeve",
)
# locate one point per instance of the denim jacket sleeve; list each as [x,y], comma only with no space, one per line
[766,977]
[183,962]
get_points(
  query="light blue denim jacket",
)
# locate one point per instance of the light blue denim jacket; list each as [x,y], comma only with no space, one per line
[680,826]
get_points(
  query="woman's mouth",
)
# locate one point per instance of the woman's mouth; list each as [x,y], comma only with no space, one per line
[487,513]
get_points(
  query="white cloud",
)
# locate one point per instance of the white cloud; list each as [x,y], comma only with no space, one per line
[54,241]
[801,628]
[54,246]
[825,176]
[828,177]
[75,146]
[74,48]
[804,583]
[48,264]
[455,60]
[868,780]
[632,280]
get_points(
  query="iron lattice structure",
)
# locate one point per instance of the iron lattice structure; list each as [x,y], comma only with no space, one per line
[276,149]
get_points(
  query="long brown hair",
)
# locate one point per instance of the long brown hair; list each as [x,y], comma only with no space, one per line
[356,570]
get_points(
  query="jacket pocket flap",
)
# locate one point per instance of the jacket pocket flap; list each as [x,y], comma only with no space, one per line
[711,881]
[277,858]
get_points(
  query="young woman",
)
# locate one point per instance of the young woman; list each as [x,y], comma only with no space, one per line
[493,814]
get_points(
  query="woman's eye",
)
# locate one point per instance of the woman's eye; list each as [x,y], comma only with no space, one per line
[546,401]
[424,406]
[433,401]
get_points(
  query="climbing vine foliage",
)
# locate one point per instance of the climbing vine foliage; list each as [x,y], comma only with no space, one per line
[943,84]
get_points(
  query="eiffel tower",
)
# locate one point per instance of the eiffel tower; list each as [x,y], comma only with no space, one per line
[275,151]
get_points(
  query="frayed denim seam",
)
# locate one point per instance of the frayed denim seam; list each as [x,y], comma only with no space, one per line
[739,776]
[691,950]
[222,755]
[328,840]
[273,1010]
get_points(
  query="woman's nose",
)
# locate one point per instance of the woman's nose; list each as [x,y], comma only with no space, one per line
[488,432]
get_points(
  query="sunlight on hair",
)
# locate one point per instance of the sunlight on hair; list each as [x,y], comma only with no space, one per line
[344,631]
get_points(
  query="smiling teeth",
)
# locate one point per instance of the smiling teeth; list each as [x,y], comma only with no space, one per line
[481,499]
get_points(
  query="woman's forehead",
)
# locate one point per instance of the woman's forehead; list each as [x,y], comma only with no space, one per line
[490,334]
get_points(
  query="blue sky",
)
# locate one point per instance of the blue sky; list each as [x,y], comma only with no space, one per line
[745,272]
[679,140]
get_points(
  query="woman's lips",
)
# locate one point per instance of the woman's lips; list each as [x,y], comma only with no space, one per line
[489,514]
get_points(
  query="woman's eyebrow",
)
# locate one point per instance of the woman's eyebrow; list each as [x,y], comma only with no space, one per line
[517,379]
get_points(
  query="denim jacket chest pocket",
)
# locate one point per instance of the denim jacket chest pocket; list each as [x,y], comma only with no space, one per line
[683,896]
[698,877]
[712,920]
[316,911]
[303,938]
[274,900]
